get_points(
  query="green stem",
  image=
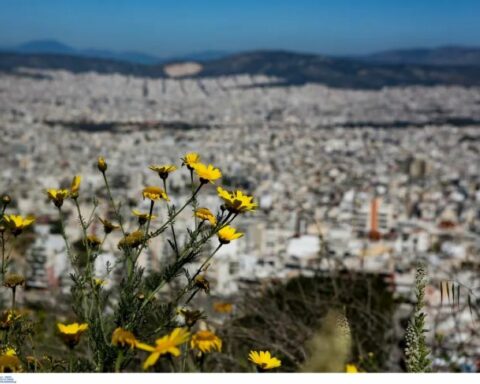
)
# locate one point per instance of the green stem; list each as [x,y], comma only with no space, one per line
[192,279]
[184,358]
[114,206]
[99,314]
[3,256]
[129,265]
[194,201]
[13,298]
[162,228]
[146,238]
[206,261]
[10,251]
[213,231]
[171,363]
[70,365]
[177,254]
[92,214]
[192,296]
[88,269]
[228,222]
[171,224]
[118,362]
[65,239]
[165,185]
[85,242]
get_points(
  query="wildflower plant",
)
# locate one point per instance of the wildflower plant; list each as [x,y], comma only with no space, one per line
[15,327]
[417,352]
[132,321]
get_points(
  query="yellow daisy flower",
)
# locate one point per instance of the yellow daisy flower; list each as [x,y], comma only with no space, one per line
[9,364]
[57,196]
[75,186]
[263,360]
[227,234]
[236,201]
[131,240]
[206,341]
[154,193]
[221,307]
[108,226]
[102,164]
[143,217]
[167,344]
[163,170]
[93,241]
[351,368]
[8,318]
[206,173]
[123,338]
[97,282]
[9,351]
[190,159]
[70,333]
[191,316]
[17,223]
[13,280]
[206,214]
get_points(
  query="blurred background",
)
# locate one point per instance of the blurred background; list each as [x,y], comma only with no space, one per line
[355,124]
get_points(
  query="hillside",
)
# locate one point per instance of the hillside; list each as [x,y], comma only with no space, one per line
[292,68]
[10,62]
[297,68]
[450,55]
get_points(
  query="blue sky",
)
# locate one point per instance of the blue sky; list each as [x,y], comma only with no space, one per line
[183,26]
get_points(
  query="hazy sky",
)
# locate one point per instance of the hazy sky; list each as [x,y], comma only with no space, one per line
[182,26]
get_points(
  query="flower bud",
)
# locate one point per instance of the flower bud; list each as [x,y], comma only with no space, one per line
[6,199]
[102,164]
[202,283]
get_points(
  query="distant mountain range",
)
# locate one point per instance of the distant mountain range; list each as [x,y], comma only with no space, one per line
[58,48]
[449,55]
[446,65]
